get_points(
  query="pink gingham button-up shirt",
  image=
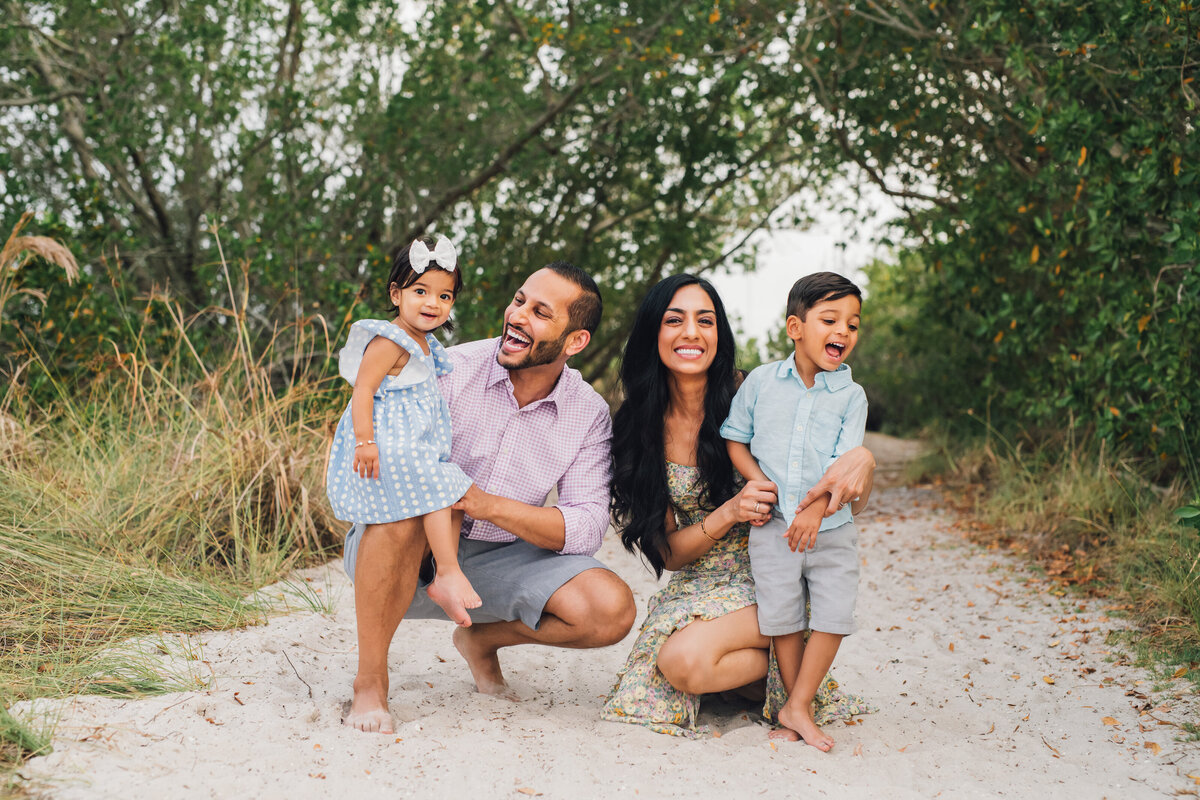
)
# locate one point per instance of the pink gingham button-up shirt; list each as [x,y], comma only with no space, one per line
[560,441]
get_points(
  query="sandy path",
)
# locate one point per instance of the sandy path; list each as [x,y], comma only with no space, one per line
[987,684]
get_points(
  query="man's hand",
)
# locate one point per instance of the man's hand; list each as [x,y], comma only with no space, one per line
[802,533]
[849,479]
[475,503]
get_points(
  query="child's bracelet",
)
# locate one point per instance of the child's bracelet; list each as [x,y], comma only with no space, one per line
[711,539]
[360,444]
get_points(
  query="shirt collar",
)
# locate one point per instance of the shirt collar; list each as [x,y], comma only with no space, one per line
[830,381]
[497,374]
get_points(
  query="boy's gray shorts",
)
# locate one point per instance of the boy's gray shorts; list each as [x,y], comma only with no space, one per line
[788,585]
[514,579]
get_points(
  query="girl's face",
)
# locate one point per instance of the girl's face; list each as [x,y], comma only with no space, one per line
[687,337]
[424,304]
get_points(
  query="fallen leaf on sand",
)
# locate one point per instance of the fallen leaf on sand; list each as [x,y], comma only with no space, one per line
[1048,679]
[1052,748]
[1179,673]
[528,791]
[1153,747]
[1195,779]
[952,647]
[773,747]
[858,750]
[1109,721]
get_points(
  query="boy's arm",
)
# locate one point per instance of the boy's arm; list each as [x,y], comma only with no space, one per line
[802,533]
[380,356]
[744,461]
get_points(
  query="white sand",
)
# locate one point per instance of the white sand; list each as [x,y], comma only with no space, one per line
[958,647]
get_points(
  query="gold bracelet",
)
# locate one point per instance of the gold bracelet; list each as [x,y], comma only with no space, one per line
[711,539]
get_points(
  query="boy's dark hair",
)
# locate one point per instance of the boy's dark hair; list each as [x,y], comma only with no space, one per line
[403,275]
[816,288]
[584,312]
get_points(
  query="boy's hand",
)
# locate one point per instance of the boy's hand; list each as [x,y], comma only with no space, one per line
[802,533]
[366,461]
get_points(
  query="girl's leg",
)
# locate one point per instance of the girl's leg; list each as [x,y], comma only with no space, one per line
[450,588]
[715,655]
[797,714]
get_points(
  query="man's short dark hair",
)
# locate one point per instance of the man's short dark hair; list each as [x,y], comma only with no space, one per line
[584,313]
[816,288]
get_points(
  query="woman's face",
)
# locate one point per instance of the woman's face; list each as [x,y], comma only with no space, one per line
[687,336]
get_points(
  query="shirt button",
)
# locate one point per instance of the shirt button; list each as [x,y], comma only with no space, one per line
[795,463]
[799,427]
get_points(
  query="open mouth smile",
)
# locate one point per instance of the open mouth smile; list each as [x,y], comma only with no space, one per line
[515,340]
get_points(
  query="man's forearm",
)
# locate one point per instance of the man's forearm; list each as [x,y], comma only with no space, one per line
[539,525]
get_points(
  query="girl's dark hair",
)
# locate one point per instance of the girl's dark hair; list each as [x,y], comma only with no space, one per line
[639,480]
[403,275]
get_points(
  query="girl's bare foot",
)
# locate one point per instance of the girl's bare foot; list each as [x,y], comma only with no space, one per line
[368,710]
[452,591]
[800,720]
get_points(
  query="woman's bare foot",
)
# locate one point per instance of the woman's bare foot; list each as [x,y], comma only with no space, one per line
[453,592]
[368,710]
[800,720]
[783,735]
[484,665]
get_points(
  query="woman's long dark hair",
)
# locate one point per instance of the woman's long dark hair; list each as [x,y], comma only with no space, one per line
[639,481]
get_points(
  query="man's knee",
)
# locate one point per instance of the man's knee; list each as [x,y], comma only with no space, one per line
[599,602]
[395,546]
[613,608]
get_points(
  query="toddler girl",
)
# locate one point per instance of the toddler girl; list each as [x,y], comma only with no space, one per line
[389,463]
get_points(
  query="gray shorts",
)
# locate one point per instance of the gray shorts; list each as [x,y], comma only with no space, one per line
[514,579]
[805,590]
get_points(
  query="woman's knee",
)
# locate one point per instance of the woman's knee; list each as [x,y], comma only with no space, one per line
[683,664]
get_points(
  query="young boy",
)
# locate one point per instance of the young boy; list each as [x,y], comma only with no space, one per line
[788,423]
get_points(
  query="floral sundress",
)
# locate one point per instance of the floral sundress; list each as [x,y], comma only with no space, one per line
[715,584]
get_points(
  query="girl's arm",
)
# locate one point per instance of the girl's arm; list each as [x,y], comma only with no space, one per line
[381,356]
[689,543]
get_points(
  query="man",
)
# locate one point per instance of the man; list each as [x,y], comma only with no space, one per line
[523,424]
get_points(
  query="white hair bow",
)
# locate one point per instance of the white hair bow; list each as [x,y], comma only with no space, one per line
[419,255]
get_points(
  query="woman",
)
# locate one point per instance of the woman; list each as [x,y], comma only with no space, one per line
[677,500]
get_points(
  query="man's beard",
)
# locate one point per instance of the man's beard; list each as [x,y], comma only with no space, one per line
[540,354]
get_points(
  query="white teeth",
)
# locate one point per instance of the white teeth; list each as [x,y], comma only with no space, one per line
[520,337]
[838,345]
[687,351]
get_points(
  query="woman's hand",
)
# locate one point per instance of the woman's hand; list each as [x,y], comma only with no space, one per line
[754,502]
[848,480]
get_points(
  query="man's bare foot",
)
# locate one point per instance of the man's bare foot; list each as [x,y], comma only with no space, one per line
[368,710]
[485,666]
[800,720]
[452,591]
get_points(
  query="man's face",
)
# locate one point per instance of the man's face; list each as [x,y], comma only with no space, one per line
[536,325]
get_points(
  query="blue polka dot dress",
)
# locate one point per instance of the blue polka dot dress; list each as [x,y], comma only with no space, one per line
[412,431]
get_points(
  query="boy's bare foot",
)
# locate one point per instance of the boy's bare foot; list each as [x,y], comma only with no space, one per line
[368,710]
[484,664]
[800,720]
[452,591]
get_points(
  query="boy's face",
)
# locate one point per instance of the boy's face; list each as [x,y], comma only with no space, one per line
[827,334]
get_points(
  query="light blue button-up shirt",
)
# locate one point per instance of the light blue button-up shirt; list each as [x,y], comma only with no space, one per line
[795,432]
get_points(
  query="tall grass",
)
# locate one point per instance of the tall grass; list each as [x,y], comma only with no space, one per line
[1092,520]
[153,499]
